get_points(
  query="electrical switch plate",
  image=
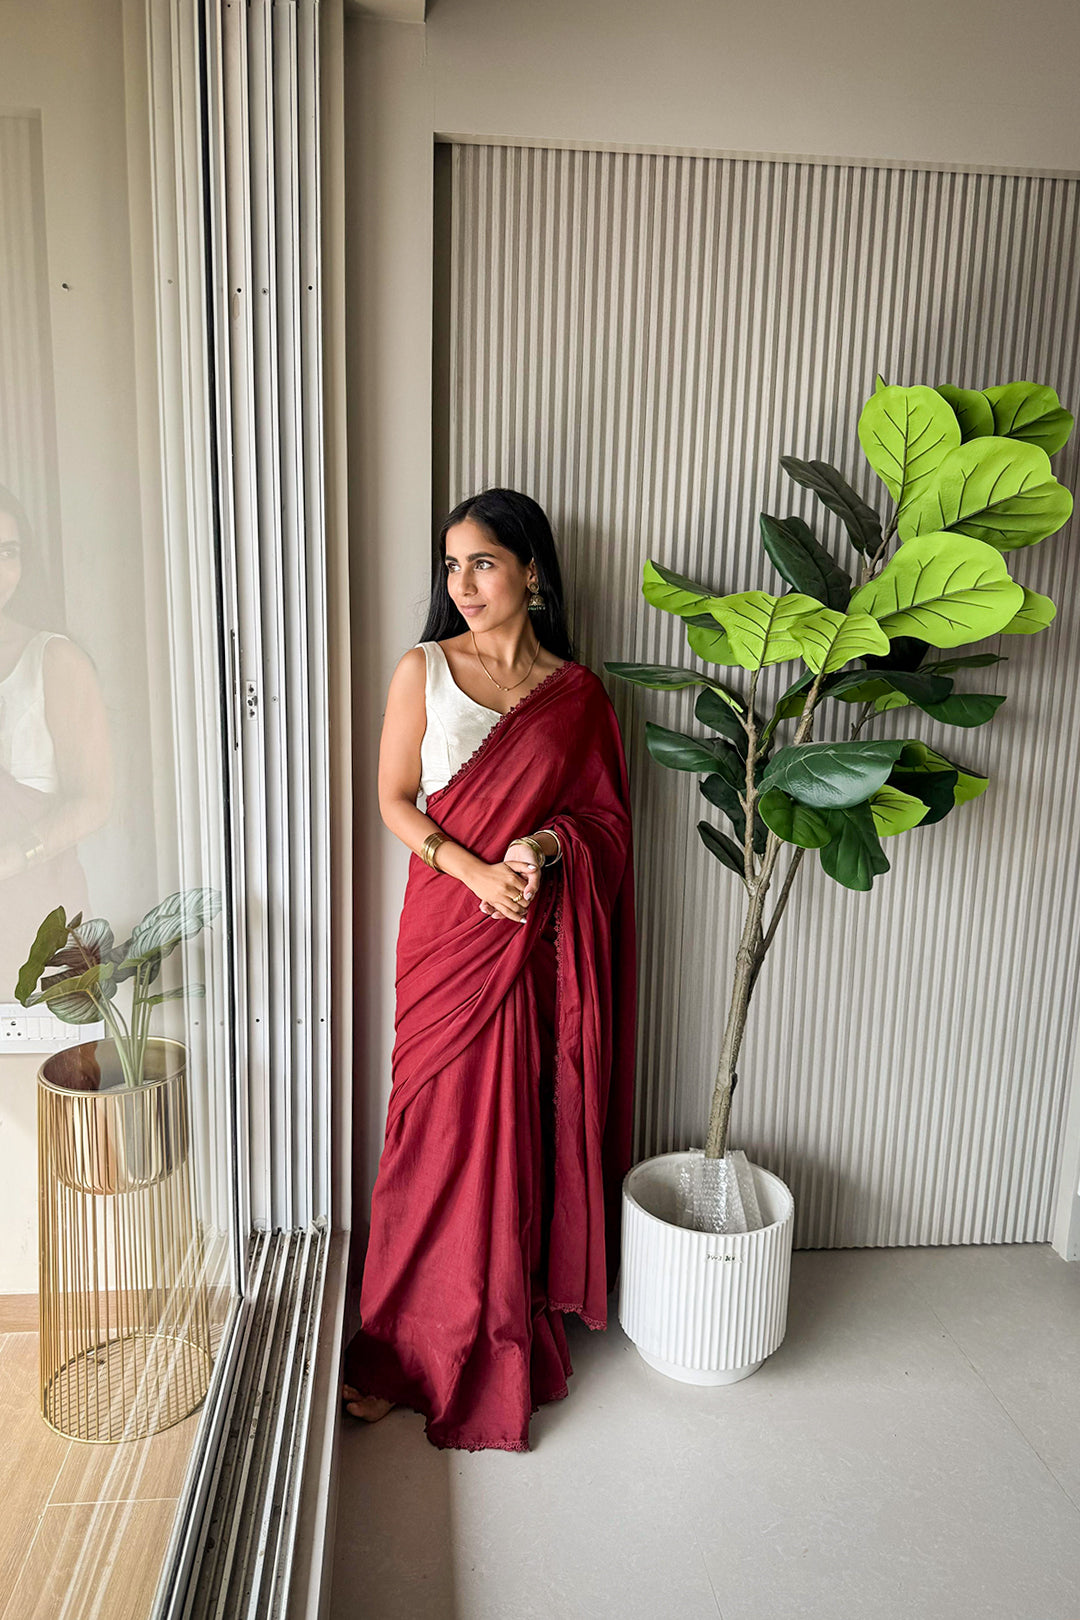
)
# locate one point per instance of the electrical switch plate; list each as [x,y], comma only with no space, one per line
[32,1029]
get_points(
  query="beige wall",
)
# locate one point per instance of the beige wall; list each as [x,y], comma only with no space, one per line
[970,82]
[984,85]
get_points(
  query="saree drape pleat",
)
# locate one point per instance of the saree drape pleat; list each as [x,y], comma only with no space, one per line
[496,1207]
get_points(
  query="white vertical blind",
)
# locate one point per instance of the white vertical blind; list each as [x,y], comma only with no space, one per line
[272,460]
[635,340]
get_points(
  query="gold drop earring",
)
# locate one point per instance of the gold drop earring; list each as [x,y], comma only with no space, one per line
[536,601]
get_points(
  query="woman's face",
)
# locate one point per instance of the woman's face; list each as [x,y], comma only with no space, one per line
[10,558]
[487,583]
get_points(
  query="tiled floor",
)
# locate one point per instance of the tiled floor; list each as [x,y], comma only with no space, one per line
[911,1452]
[83,1528]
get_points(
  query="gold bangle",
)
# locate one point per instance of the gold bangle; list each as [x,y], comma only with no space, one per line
[428,848]
[533,845]
[558,844]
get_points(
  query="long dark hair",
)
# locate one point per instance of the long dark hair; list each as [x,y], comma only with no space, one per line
[519,524]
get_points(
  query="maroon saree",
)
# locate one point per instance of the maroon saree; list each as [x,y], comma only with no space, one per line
[496,1207]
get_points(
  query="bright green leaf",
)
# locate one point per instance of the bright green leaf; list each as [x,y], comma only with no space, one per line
[710,642]
[672,592]
[1032,412]
[972,408]
[895,811]
[831,640]
[1034,615]
[996,490]
[946,588]
[905,433]
[762,629]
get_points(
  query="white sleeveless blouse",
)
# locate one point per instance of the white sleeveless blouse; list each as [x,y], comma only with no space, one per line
[26,745]
[456,723]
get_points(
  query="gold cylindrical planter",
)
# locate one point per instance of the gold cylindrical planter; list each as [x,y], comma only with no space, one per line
[125,1327]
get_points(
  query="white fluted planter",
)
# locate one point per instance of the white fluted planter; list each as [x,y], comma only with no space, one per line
[702,1307]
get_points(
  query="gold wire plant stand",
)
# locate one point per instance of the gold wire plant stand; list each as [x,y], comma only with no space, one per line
[125,1346]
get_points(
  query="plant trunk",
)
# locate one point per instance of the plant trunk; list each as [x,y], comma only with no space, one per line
[747,962]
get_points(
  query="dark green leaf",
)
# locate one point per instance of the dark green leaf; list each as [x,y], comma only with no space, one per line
[936,789]
[661,677]
[720,845]
[971,661]
[854,856]
[860,520]
[793,822]
[965,708]
[682,753]
[919,756]
[905,652]
[866,686]
[833,775]
[725,796]
[50,938]
[803,562]
[712,711]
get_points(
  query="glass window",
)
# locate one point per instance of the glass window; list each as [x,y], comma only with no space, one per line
[111,813]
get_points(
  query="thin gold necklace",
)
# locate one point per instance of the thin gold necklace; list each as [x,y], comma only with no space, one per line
[491,677]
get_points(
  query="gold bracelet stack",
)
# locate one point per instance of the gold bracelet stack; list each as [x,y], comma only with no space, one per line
[534,846]
[558,844]
[428,848]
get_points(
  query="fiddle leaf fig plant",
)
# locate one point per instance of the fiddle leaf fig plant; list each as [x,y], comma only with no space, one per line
[969,479]
[81,968]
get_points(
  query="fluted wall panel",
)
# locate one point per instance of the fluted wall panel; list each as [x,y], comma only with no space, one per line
[634,340]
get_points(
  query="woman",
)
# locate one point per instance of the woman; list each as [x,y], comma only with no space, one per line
[496,1205]
[55,760]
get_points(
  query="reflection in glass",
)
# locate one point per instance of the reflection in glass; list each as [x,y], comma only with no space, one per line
[55,756]
[111,800]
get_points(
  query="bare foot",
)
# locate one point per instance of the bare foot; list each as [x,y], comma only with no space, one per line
[369,1407]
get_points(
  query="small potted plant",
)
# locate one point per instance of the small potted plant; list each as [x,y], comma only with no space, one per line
[704,1295]
[129,1128]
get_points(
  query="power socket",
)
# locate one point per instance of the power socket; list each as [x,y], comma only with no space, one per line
[32,1029]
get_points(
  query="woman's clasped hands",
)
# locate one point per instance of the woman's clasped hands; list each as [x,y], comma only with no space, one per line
[508,888]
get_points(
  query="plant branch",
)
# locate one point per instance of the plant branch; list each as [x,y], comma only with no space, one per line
[867,714]
[750,804]
[870,568]
[782,900]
